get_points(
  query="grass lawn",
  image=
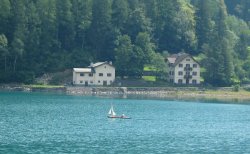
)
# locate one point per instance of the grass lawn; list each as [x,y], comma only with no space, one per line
[149,68]
[44,86]
[149,78]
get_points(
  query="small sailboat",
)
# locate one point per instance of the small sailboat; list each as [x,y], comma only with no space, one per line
[112,114]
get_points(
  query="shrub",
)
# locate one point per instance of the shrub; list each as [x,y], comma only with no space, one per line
[236,88]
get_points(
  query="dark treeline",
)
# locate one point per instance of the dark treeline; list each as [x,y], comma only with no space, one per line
[43,36]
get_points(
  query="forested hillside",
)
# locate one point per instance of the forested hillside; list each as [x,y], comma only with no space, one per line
[41,36]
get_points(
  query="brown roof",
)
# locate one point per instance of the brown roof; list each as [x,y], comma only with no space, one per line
[177,58]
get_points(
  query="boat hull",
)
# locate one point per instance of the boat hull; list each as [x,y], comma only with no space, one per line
[119,117]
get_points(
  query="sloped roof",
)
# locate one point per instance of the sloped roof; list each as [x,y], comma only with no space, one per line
[83,70]
[175,59]
[91,68]
[99,64]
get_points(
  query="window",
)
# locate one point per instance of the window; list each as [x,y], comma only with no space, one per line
[111,81]
[194,81]
[187,65]
[99,81]
[187,59]
[194,73]
[81,74]
[90,74]
[180,81]
[91,81]
[180,65]
[81,81]
[100,74]
[171,80]
[180,73]
[194,65]
[109,74]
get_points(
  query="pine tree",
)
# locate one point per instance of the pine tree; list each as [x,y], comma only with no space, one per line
[33,34]
[4,49]
[65,22]
[120,13]
[204,26]
[101,36]
[219,63]
[19,18]
[82,13]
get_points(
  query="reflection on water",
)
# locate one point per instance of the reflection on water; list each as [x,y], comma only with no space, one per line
[52,123]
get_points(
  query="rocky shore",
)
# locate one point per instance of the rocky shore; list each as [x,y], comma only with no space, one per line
[150,92]
[162,92]
[26,88]
[126,90]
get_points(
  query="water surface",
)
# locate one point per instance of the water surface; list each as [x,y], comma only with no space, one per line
[57,123]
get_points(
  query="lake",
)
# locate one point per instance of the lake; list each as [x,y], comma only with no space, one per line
[58,123]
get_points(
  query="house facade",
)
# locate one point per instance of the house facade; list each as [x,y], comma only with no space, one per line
[183,69]
[101,73]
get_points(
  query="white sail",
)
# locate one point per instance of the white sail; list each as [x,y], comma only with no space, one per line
[111,111]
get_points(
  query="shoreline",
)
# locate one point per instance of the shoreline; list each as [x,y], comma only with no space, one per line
[182,93]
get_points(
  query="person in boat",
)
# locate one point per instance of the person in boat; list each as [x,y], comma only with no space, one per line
[123,116]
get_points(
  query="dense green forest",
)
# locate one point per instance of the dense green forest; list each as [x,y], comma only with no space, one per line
[44,36]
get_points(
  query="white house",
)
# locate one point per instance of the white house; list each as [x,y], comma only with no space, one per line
[183,69]
[101,73]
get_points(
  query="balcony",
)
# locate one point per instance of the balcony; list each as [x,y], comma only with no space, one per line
[188,69]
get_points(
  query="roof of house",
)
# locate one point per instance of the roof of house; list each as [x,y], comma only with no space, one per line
[175,59]
[83,70]
[99,64]
[91,68]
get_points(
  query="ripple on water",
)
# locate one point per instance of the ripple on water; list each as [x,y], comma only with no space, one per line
[48,123]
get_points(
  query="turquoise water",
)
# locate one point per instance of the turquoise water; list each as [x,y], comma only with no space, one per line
[53,123]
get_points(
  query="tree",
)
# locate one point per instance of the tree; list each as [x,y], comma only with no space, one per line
[124,50]
[204,26]
[82,13]
[226,48]
[101,34]
[33,34]
[239,8]
[5,11]
[120,13]
[4,49]
[158,62]
[5,8]
[219,63]
[20,19]
[49,44]
[65,24]
[179,28]
[17,49]
[137,23]
[242,45]
[143,42]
